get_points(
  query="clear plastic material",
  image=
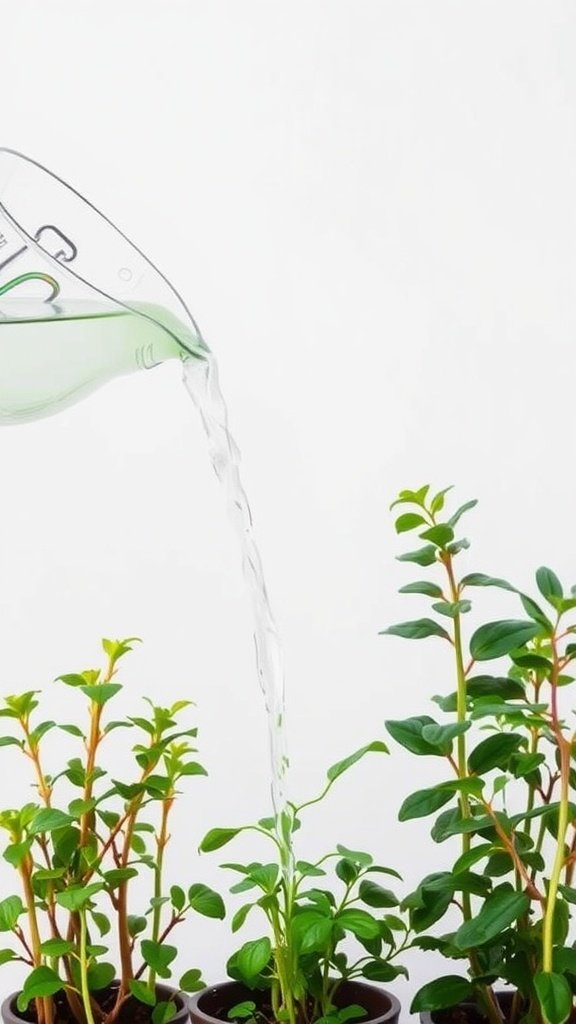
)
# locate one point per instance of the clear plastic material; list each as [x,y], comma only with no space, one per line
[79,303]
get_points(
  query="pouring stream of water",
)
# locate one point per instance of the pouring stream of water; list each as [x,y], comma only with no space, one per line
[201,382]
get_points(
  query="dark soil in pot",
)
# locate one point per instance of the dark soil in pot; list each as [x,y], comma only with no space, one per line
[211,1006]
[132,1012]
[468,1013]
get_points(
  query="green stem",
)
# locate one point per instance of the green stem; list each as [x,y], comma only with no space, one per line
[280,958]
[84,969]
[564,747]
[161,841]
[485,994]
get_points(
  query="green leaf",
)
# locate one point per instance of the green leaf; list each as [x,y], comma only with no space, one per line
[528,659]
[441,736]
[441,994]
[440,535]
[16,852]
[409,734]
[423,556]
[495,639]
[241,915]
[218,837]
[101,693]
[178,897]
[437,503]
[451,823]
[56,947]
[191,981]
[495,686]
[493,752]
[452,608]
[76,897]
[101,921]
[193,768]
[418,629]
[461,511]
[307,870]
[379,970]
[48,820]
[412,497]
[550,587]
[536,613]
[479,579]
[136,924]
[205,901]
[422,587]
[458,545]
[158,956]
[376,747]
[164,1012]
[359,922]
[408,521]
[242,1010]
[76,808]
[554,995]
[498,912]
[252,958]
[375,895]
[364,860]
[42,981]
[116,649]
[11,908]
[141,992]
[10,741]
[71,679]
[116,876]
[100,976]
[422,803]
[311,931]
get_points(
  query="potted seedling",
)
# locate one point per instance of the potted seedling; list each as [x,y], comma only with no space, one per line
[76,850]
[332,930]
[504,751]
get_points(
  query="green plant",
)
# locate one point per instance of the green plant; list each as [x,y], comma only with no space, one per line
[79,846]
[509,795]
[300,962]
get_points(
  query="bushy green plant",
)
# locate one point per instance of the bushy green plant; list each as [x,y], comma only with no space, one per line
[80,844]
[310,908]
[509,794]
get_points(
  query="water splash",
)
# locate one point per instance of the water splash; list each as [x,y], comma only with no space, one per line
[202,383]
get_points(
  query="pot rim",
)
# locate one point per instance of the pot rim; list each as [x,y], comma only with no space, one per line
[392,1012]
[9,1011]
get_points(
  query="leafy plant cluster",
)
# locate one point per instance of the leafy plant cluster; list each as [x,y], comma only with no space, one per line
[80,844]
[507,753]
[310,909]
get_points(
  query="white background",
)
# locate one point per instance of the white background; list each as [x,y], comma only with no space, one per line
[370,208]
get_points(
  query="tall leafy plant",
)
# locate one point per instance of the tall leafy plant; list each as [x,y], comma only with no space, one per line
[77,848]
[297,968]
[506,795]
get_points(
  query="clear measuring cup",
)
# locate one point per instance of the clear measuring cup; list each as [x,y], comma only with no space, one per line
[79,303]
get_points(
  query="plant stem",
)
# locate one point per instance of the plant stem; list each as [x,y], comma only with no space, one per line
[161,841]
[565,748]
[485,993]
[93,741]
[280,958]
[461,711]
[84,969]
[44,1007]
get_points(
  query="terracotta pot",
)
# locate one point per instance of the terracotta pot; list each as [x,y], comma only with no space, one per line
[212,1004]
[11,1015]
[466,1013]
